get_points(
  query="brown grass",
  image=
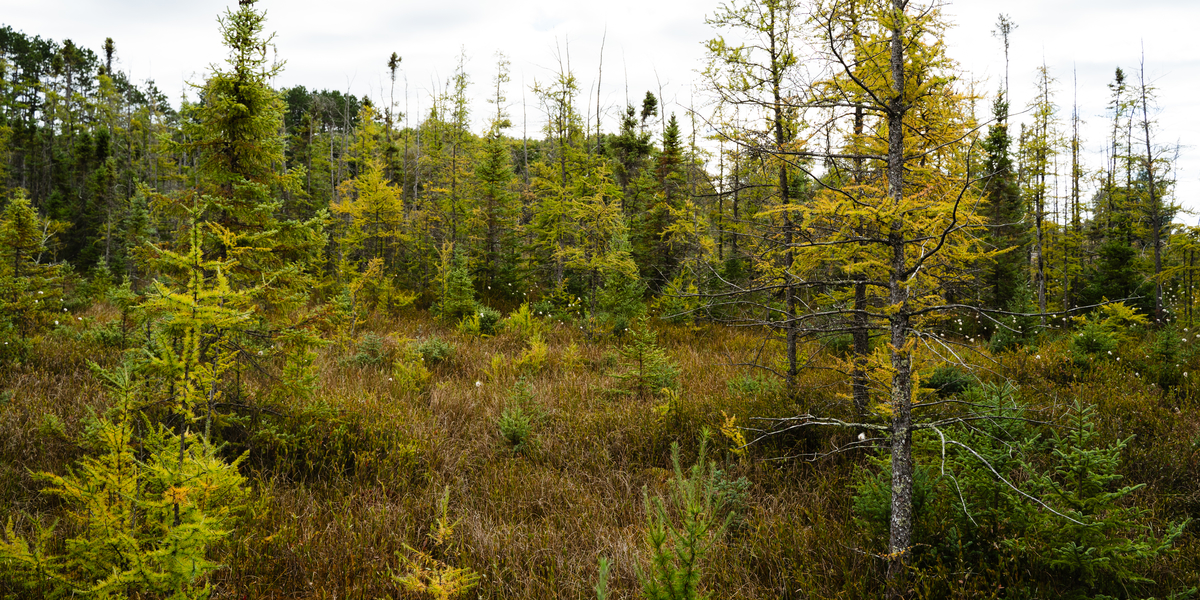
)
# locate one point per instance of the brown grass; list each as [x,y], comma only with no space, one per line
[329,517]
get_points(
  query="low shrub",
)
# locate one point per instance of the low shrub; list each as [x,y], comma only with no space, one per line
[753,386]
[518,418]
[1092,341]
[371,350]
[409,374]
[949,380]
[524,323]
[435,350]
[648,370]
[534,358]
[484,322]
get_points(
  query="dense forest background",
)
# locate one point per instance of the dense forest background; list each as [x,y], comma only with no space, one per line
[861,340]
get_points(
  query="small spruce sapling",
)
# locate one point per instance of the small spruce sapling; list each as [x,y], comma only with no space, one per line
[683,528]
[648,369]
[1106,546]
[519,417]
[458,289]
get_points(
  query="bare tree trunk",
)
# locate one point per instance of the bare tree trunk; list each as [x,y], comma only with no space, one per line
[902,466]
[1156,216]
[862,339]
[785,201]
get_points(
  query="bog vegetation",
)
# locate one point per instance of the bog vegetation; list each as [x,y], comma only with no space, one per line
[293,343]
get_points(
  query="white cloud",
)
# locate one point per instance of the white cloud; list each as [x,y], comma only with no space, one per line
[345,46]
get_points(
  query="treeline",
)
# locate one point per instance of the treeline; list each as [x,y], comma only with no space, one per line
[575,207]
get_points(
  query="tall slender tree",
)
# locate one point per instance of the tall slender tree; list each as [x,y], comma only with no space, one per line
[1153,167]
[755,74]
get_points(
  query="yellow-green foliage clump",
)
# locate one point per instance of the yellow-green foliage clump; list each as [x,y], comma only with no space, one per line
[534,358]
[428,577]
[410,374]
[143,525]
[524,324]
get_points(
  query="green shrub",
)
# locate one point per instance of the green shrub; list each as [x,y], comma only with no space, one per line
[733,494]
[1042,516]
[1167,352]
[518,418]
[484,322]
[515,426]
[410,373]
[370,351]
[1102,544]
[751,385]
[873,501]
[620,300]
[949,380]
[524,323]
[648,369]
[13,347]
[560,304]
[1093,340]
[108,335]
[435,350]
[489,320]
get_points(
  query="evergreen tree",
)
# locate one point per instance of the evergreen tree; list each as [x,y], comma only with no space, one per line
[236,131]
[656,249]
[1116,274]
[649,371]
[1007,230]
[494,220]
[145,512]
[1103,547]
[28,298]
[369,214]
[631,147]
[457,298]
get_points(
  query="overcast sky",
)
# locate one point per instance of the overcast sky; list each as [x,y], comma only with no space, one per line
[648,45]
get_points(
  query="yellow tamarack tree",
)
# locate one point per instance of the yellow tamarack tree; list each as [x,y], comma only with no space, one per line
[884,217]
[149,507]
[895,216]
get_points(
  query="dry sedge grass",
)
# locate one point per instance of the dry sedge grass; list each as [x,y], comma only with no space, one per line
[45,397]
[331,519]
[534,523]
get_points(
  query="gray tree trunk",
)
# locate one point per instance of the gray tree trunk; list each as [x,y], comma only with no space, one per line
[902,465]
